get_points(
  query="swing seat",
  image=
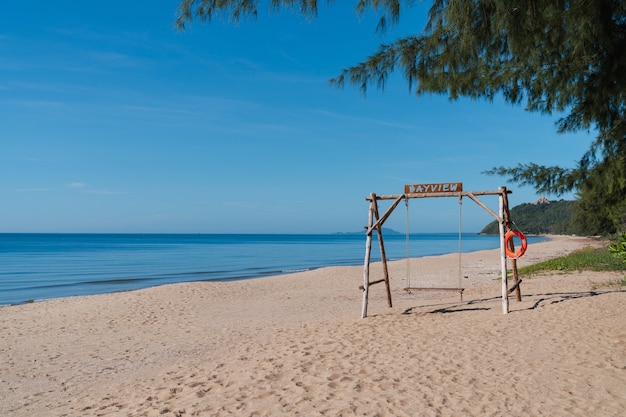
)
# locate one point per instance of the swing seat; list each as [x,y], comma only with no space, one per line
[459,290]
[409,289]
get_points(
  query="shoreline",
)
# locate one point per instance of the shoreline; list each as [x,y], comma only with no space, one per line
[295,345]
[33,292]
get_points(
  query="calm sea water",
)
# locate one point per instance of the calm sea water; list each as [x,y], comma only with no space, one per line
[44,266]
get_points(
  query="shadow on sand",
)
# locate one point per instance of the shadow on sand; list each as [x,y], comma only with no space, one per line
[475,305]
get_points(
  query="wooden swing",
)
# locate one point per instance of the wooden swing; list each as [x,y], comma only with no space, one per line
[409,288]
[376,221]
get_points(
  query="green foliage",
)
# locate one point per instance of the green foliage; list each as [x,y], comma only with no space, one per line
[541,218]
[601,208]
[554,55]
[601,205]
[544,179]
[618,248]
[237,10]
[591,259]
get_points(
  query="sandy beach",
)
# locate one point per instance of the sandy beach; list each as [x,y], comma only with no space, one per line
[295,345]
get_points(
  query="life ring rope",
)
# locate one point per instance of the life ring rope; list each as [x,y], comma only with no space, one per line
[524,244]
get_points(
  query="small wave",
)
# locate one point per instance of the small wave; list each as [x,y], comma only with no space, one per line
[293,271]
[82,283]
[192,273]
[114,281]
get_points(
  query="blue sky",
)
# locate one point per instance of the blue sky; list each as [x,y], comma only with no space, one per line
[113,121]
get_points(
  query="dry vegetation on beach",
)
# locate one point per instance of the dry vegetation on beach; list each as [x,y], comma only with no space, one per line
[295,345]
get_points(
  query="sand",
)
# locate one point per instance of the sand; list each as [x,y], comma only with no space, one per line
[295,345]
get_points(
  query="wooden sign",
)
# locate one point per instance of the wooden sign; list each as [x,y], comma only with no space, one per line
[445,187]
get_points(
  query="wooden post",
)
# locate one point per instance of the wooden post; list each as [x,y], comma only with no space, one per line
[508,223]
[383,254]
[505,285]
[368,251]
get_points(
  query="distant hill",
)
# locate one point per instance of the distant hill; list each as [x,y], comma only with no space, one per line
[541,217]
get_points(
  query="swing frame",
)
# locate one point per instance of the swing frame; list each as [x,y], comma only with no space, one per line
[376,221]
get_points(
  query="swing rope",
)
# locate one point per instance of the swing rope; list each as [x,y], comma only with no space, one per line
[460,239]
[408,251]
[408,245]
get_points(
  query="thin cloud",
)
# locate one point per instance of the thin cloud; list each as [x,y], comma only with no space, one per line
[106,192]
[34,190]
[38,104]
[84,188]
[32,159]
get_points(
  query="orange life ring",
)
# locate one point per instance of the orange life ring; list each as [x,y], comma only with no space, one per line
[509,235]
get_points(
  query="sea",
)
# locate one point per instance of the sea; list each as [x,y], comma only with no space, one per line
[36,267]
